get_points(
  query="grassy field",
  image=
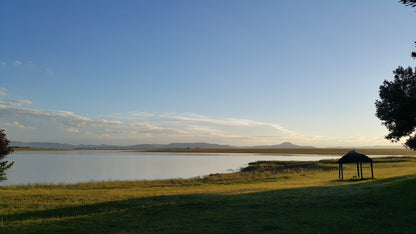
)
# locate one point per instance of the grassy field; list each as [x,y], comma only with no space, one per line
[264,198]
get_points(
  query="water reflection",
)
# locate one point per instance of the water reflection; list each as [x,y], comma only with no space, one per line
[98,165]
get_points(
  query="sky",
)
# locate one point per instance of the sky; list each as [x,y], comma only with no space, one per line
[232,72]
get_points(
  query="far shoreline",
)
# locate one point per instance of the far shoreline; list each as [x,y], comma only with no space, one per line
[334,151]
[329,151]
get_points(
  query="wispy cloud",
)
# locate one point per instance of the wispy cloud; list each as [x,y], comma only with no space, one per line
[72,130]
[49,72]
[143,127]
[162,128]
[17,63]
[3,92]
[228,122]
[65,118]
[8,101]
[28,65]
[131,116]
[18,125]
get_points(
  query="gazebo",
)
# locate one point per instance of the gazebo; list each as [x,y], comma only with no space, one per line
[354,157]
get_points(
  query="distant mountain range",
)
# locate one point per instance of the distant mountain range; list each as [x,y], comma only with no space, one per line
[52,145]
[196,145]
[41,145]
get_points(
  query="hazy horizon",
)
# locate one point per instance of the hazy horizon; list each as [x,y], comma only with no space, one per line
[239,73]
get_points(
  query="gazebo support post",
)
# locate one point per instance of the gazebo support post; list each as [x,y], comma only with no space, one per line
[372,174]
[358,170]
[361,167]
[339,171]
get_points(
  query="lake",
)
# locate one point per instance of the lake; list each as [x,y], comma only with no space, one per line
[74,166]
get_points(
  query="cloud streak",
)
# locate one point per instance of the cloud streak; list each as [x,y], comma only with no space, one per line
[18,125]
[7,101]
[17,63]
[66,118]
[150,128]
[72,130]
[142,127]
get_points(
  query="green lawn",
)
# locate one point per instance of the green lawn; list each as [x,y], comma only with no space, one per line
[302,201]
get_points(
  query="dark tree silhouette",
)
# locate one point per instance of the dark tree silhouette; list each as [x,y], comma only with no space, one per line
[397,105]
[414,53]
[5,150]
[411,3]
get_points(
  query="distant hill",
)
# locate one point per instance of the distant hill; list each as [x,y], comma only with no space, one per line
[193,145]
[370,147]
[146,146]
[284,145]
[104,146]
[50,145]
[41,145]
[197,145]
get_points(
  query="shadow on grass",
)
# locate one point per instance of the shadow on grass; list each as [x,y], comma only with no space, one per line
[378,205]
[351,180]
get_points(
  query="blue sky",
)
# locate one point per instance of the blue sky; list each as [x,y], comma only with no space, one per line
[227,72]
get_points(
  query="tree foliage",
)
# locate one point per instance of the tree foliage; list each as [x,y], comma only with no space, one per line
[411,3]
[5,150]
[397,106]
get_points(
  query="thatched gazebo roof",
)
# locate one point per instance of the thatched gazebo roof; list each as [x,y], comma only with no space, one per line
[354,157]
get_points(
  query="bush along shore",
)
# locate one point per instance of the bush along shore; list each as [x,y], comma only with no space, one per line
[264,197]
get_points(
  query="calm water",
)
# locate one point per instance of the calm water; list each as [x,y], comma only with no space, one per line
[98,165]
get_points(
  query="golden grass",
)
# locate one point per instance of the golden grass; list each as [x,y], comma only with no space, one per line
[43,196]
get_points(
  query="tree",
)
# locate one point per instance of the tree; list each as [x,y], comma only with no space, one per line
[397,105]
[5,150]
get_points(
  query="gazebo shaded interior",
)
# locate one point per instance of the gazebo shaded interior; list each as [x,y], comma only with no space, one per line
[354,157]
